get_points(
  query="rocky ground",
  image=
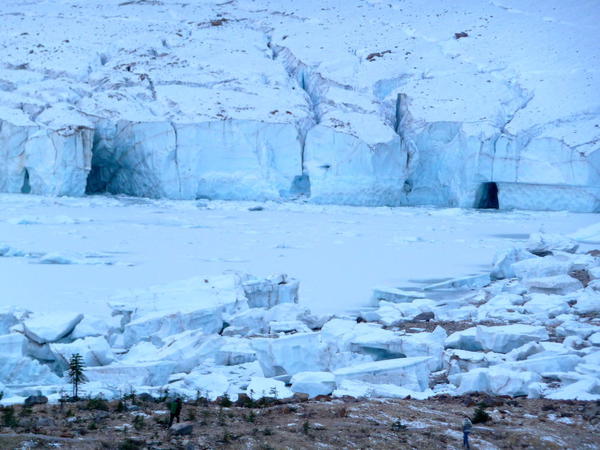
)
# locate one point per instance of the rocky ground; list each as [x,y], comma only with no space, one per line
[297,424]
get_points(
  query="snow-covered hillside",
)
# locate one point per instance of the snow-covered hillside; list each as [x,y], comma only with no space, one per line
[355,102]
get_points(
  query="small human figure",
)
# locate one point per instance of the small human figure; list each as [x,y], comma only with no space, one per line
[467,426]
[174,410]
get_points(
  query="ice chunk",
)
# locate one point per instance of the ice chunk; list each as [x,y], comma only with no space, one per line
[503,339]
[42,161]
[159,325]
[463,361]
[26,371]
[588,302]
[503,261]
[288,326]
[541,267]
[587,389]
[271,291]
[549,305]
[472,282]
[393,295]
[185,350]
[50,327]
[357,389]
[464,340]
[234,351]
[541,244]
[132,375]
[11,346]
[412,373]
[571,327]
[57,258]
[210,386]
[524,351]
[594,339]
[290,354]
[558,284]
[8,318]
[495,381]
[267,387]
[553,363]
[95,351]
[313,383]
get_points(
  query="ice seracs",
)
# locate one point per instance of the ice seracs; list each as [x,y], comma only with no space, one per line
[237,334]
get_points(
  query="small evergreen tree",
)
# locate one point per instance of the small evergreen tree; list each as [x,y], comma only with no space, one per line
[76,375]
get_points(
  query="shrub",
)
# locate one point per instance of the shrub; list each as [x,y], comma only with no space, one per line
[225,401]
[97,403]
[8,417]
[480,416]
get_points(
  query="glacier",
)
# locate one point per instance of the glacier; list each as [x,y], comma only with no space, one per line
[365,103]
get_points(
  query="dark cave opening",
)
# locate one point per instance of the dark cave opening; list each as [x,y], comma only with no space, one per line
[487,196]
[26,187]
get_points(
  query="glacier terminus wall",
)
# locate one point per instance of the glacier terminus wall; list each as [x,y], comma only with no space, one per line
[486,105]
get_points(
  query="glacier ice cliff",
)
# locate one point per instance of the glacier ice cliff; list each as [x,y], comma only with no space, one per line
[364,103]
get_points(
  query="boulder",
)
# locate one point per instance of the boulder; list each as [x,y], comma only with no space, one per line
[412,373]
[503,339]
[50,327]
[260,387]
[36,400]
[181,429]
[313,383]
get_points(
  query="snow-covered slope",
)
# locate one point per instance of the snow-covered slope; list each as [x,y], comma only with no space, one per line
[357,102]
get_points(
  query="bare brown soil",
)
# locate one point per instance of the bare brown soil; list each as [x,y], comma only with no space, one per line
[324,423]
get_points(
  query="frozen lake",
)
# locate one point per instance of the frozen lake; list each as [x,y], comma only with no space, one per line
[338,253]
